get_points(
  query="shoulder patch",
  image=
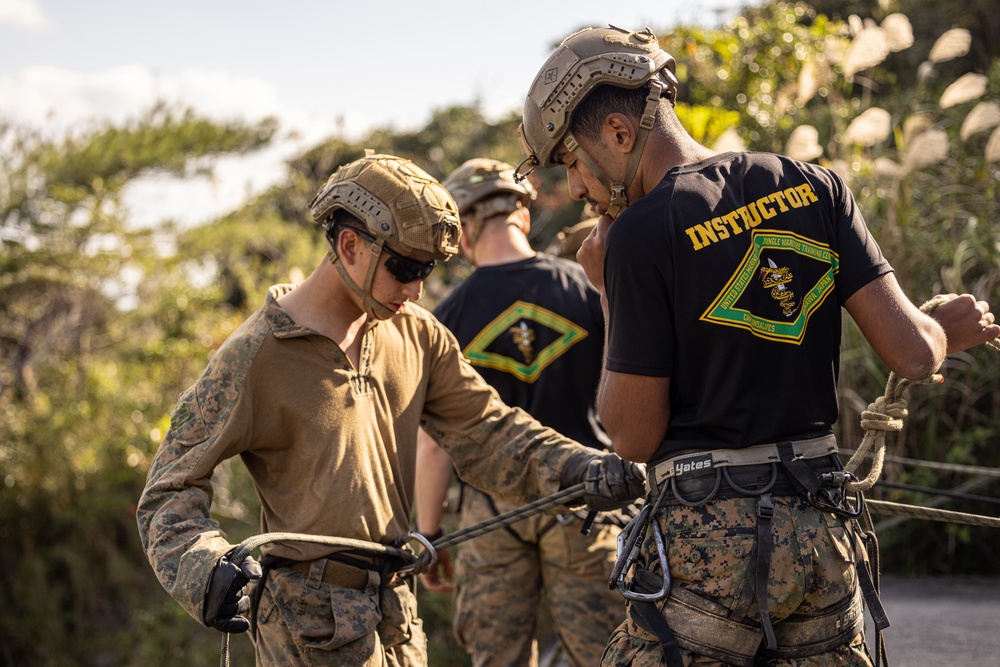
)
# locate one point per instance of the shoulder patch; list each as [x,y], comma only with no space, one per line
[180,415]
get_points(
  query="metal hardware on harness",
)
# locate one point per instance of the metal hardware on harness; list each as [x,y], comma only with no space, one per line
[661,552]
[629,542]
[428,547]
[828,499]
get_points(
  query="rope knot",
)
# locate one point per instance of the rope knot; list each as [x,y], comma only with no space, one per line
[884,416]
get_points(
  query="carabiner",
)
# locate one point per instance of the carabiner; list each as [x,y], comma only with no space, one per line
[420,563]
[664,567]
[628,545]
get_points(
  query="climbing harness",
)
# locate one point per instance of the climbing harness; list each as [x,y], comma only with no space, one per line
[809,467]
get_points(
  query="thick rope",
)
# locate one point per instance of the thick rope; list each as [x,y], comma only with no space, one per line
[883,416]
[886,415]
[237,555]
[931,514]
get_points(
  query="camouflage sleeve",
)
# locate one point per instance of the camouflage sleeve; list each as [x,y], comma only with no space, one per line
[496,448]
[179,536]
[211,422]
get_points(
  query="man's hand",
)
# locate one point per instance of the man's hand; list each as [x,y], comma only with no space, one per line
[439,576]
[591,252]
[610,482]
[966,321]
[225,602]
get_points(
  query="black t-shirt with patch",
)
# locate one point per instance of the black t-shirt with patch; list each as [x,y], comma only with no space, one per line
[534,329]
[729,278]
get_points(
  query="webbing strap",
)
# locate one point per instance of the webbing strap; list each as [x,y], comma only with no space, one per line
[684,464]
[765,512]
[798,469]
[653,621]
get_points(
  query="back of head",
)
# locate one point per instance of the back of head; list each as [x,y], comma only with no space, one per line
[397,201]
[483,188]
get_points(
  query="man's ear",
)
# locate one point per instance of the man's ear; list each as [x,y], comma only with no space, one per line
[347,246]
[525,215]
[619,132]
[465,241]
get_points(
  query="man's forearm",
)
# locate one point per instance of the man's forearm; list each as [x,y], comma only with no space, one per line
[434,473]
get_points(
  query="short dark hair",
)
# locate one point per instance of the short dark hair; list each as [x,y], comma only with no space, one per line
[338,221]
[604,100]
[607,99]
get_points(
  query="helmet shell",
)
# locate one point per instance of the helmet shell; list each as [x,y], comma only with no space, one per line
[479,178]
[396,200]
[585,60]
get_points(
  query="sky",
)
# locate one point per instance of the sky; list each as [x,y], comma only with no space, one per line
[322,68]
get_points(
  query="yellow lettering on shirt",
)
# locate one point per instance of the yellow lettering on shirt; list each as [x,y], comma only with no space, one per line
[730,219]
[779,199]
[720,228]
[750,215]
[806,192]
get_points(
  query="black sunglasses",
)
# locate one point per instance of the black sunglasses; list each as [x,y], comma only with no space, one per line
[404,269]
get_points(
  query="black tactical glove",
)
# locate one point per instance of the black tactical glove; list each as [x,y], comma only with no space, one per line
[225,602]
[610,482]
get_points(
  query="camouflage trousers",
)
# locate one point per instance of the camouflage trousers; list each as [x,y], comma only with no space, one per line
[500,579]
[711,554]
[305,621]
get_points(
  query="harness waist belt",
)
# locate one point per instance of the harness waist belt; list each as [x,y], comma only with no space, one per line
[704,626]
[699,462]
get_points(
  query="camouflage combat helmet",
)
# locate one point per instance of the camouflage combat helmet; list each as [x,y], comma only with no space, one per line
[585,60]
[483,188]
[398,203]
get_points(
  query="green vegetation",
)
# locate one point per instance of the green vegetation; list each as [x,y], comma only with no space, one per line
[102,325]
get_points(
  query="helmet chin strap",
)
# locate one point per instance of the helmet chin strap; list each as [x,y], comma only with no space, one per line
[619,198]
[373,308]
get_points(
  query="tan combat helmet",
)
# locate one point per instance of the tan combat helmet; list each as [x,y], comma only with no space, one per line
[585,60]
[399,204]
[483,188]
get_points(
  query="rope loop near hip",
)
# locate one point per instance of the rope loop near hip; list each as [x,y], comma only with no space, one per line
[886,414]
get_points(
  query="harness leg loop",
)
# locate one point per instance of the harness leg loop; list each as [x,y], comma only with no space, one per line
[765,512]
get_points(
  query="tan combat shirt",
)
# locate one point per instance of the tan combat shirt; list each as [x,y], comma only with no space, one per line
[331,448]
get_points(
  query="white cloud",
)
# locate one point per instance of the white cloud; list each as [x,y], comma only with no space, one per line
[24,13]
[57,100]
[201,199]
